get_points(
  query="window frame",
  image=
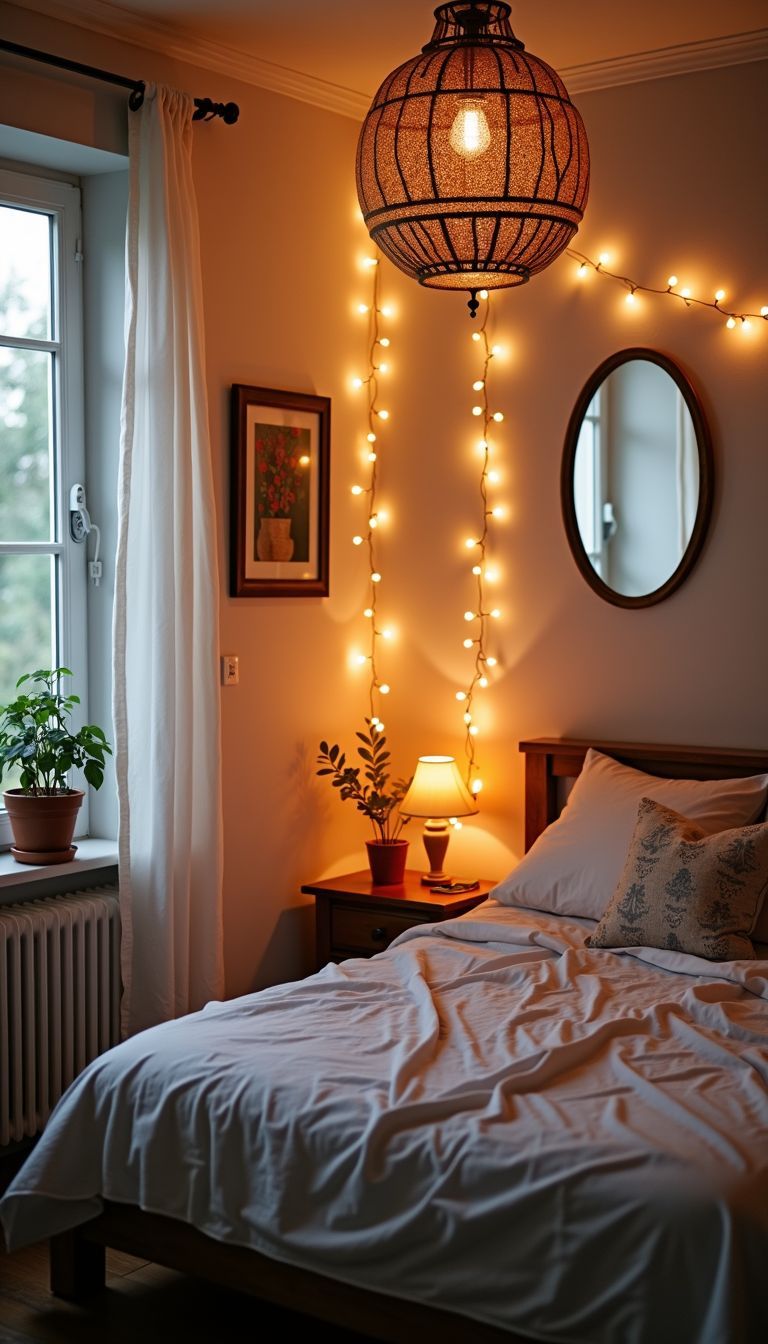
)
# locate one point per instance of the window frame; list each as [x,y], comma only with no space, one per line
[62,202]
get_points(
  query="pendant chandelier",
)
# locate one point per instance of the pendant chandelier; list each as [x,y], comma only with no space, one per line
[472,163]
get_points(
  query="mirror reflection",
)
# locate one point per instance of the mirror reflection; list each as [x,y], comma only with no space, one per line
[636,478]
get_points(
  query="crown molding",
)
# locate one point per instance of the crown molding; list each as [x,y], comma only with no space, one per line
[156,35]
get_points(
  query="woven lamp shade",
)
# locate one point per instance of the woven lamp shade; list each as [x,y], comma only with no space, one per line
[472,163]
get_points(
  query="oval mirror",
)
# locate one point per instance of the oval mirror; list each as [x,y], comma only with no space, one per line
[637,478]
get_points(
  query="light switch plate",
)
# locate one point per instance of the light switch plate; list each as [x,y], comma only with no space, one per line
[230,669]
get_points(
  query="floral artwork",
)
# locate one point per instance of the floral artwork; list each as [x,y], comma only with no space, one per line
[282,455]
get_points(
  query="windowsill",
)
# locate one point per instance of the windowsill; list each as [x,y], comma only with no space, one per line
[92,854]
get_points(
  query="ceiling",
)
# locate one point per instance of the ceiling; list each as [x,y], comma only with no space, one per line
[349,45]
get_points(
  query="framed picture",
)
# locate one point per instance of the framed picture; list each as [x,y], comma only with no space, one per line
[280,493]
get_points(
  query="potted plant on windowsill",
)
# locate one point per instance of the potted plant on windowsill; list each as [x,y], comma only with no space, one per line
[386,852]
[36,737]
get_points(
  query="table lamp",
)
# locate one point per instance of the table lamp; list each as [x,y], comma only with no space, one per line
[436,793]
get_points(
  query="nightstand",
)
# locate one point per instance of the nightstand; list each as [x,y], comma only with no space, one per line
[353,918]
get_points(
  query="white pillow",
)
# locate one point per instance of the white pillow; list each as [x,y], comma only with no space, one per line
[574,866]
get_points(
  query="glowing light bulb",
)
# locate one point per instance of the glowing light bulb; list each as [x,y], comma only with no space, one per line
[383,516]
[461,695]
[483,294]
[746,325]
[483,681]
[379,726]
[385,312]
[477,410]
[383,368]
[373,521]
[375,577]
[494,477]
[719,295]
[470,543]
[357,541]
[630,299]
[492,575]
[498,512]
[582,271]
[361,658]
[375,719]
[304,460]
[604,258]
[672,281]
[388,634]
[495,613]
[478,385]
[482,444]
[385,342]
[370,261]
[468,643]
[474,730]
[491,661]
[477,571]
[475,335]
[497,350]
[384,688]
[357,383]
[470,135]
[455,823]
[357,489]
[477,786]
[764,311]
[368,613]
[467,718]
[731,323]
[686,293]
[469,615]
[498,416]
[362,308]
[371,457]
[383,415]
[371,437]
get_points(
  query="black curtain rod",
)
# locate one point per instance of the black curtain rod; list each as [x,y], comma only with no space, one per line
[205,108]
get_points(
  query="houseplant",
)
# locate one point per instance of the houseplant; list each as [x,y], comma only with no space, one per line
[281,485]
[36,737]
[378,802]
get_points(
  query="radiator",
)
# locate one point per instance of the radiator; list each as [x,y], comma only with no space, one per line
[59,999]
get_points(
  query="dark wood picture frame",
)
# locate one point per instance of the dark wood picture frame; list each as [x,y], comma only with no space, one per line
[706,478]
[255,574]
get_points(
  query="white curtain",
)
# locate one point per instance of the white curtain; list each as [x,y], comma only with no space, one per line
[166,698]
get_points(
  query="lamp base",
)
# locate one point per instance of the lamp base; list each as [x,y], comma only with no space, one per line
[436,836]
[435,879]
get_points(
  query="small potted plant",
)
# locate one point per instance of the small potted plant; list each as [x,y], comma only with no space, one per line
[386,852]
[37,739]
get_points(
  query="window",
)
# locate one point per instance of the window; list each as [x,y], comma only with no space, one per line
[589,484]
[42,571]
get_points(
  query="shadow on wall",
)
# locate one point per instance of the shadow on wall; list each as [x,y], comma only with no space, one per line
[293,933]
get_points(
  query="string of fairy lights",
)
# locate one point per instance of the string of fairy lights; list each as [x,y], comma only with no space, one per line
[368,493]
[673,290]
[481,614]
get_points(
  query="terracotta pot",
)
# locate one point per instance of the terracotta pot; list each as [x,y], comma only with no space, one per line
[274,541]
[387,861]
[43,824]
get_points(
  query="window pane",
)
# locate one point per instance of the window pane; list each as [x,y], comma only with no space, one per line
[27,625]
[25,273]
[25,445]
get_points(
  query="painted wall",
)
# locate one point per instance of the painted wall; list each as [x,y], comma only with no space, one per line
[678,184]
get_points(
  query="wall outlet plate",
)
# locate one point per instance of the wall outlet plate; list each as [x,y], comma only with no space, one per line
[230,669]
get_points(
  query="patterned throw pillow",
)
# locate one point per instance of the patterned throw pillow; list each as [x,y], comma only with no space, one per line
[685,890]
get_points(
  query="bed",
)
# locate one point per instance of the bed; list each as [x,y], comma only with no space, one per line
[489,1130]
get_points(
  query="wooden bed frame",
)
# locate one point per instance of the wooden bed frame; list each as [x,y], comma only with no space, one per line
[78,1257]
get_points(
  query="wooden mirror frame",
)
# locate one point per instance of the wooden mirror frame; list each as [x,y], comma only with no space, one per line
[706,478]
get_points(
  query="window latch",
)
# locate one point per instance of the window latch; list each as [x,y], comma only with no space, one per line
[80,528]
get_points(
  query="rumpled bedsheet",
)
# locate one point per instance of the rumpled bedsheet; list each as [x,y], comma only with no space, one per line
[488,1117]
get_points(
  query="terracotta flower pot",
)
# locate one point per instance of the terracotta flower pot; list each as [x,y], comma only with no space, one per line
[387,861]
[43,825]
[274,541]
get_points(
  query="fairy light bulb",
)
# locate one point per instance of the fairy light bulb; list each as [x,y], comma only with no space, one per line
[630,298]
[495,613]
[477,410]
[498,416]
[304,460]
[361,658]
[672,281]
[373,521]
[483,682]
[375,719]
[357,489]
[498,511]
[478,385]
[362,308]
[746,325]
[492,575]
[482,445]
[370,261]
[582,271]
[468,643]
[483,294]
[379,727]
[357,541]
[764,311]
[368,613]
[372,457]
[477,571]
[371,437]
[470,134]
[686,293]
[384,688]
[474,730]
[604,258]
[491,661]
[357,383]
[385,312]
[719,295]
[375,577]
[476,336]
[494,477]
[461,695]
[388,633]
[469,615]
[383,415]
[731,323]
[477,786]
[467,717]
[384,340]
[470,543]
[383,368]
[497,351]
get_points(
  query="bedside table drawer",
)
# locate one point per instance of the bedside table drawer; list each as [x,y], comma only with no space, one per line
[367,931]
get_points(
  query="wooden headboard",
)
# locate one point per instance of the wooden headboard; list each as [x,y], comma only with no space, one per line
[548,759]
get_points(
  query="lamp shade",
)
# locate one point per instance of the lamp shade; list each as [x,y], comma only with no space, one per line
[437,790]
[472,163]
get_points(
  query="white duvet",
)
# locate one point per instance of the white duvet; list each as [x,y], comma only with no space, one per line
[488,1117]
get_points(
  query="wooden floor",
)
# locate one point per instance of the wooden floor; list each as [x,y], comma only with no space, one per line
[143,1304]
